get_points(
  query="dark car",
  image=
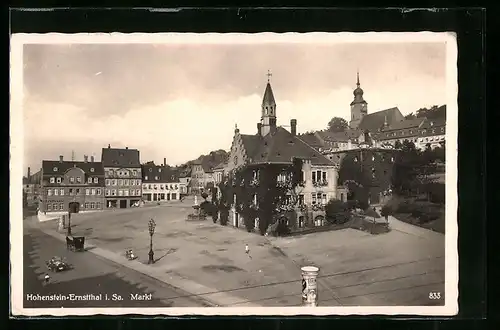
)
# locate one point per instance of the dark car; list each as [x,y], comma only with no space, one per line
[57,264]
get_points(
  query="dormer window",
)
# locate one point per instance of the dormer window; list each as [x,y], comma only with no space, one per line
[150,170]
[157,178]
[59,180]
[55,169]
[91,169]
[159,170]
[52,180]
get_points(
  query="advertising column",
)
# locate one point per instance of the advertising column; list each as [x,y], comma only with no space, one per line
[309,286]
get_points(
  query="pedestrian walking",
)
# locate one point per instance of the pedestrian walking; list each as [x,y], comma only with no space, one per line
[247,251]
[46,278]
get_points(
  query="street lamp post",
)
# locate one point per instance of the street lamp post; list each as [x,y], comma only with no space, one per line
[69,222]
[151,226]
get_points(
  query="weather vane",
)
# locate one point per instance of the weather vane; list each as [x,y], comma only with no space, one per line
[269,75]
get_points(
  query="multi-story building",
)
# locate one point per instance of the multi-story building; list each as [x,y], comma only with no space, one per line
[184,180]
[72,186]
[202,177]
[275,145]
[31,187]
[123,177]
[160,183]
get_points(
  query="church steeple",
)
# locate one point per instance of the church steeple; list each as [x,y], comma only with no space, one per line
[359,107]
[268,118]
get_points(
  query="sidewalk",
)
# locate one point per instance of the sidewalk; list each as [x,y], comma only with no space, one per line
[212,296]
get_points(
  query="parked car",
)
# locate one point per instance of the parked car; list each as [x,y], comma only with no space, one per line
[57,264]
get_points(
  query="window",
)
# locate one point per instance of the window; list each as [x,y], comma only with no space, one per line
[70,191]
[159,170]
[125,192]
[162,187]
[92,205]
[52,180]
[157,178]
[138,192]
[155,187]
[301,199]
[134,172]
[120,182]
[108,182]
[61,192]
[114,182]
[49,207]
[98,191]
[55,206]
[373,158]
[355,159]
[61,206]
[56,192]
[55,169]
[313,176]
[126,182]
[91,169]
[174,196]
[149,186]
[87,192]
[146,177]
[150,170]
[120,192]
[323,176]
[132,192]
[97,205]
[176,187]
[324,199]
[318,197]
[89,180]
[77,191]
[86,205]
[96,180]
[442,129]
[92,191]
[72,180]
[59,180]
[113,192]
[313,198]
[49,192]
[132,182]
[107,192]
[78,179]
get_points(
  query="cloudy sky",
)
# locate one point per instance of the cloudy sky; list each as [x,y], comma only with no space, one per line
[182,100]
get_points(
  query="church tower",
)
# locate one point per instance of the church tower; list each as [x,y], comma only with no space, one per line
[268,117]
[359,107]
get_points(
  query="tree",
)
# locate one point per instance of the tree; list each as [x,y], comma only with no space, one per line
[410,116]
[337,124]
[386,211]
[337,211]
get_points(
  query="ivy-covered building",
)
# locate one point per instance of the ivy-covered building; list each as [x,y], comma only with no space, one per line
[274,175]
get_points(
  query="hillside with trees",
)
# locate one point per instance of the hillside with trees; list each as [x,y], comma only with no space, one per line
[210,160]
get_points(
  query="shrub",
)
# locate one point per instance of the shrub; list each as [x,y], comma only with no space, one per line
[351,204]
[337,211]
[436,192]
[386,211]
[362,204]
[280,229]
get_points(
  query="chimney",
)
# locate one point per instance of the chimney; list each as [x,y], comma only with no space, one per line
[29,172]
[259,128]
[92,159]
[61,158]
[126,148]
[293,125]
[85,158]
[164,161]
[109,146]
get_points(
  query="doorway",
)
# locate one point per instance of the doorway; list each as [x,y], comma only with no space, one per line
[74,207]
[123,204]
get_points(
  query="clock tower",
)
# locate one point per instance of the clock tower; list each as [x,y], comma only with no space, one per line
[359,107]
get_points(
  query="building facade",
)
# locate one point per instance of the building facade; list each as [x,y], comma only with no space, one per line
[160,183]
[72,186]
[31,188]
[272,145]
[123,175]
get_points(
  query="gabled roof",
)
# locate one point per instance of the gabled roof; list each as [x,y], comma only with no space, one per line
[429,123]
[55,167]
[220,166]
[311,139]
[114,157]
[268,96]
[375,121]
[251,143]
[165,174]
[404,124]
[280,146]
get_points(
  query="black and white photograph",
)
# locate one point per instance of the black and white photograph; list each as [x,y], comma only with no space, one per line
[234,174]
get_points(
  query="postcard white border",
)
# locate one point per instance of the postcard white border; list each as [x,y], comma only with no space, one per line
[16,165]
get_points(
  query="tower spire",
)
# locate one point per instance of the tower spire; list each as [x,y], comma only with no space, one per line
[269,75]
[357,81]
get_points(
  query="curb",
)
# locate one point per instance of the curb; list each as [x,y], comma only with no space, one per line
[200,291]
